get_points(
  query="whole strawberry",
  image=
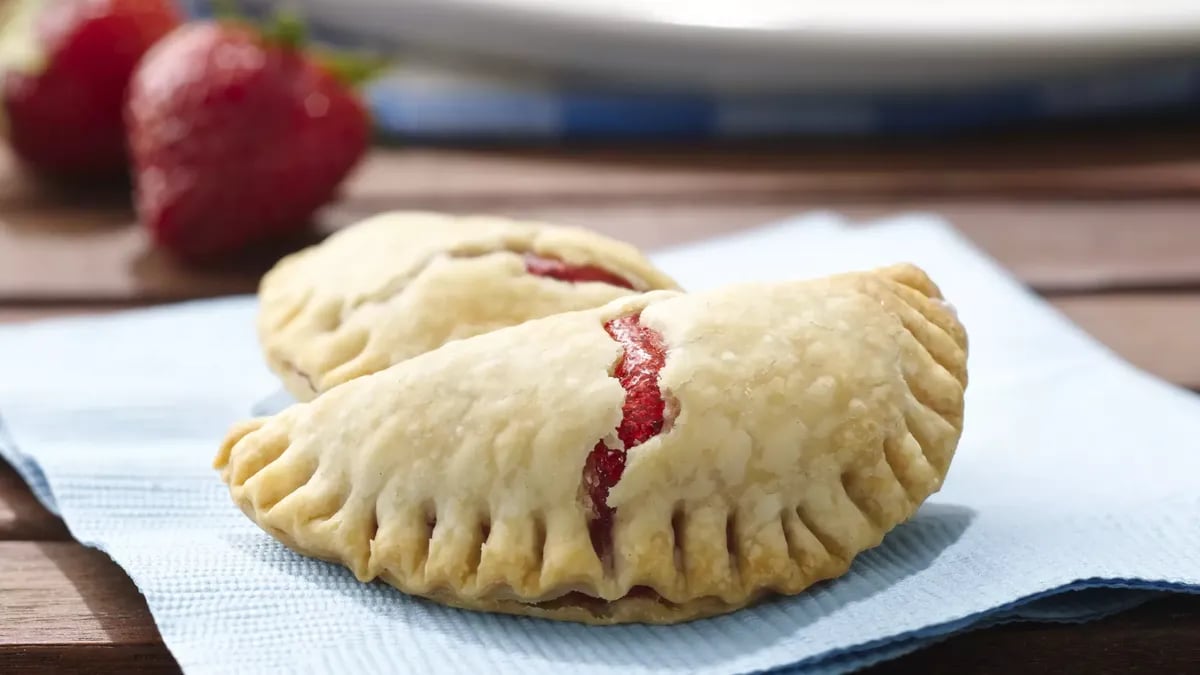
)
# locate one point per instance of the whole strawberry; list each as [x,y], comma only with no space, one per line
[237,136]
[69,63]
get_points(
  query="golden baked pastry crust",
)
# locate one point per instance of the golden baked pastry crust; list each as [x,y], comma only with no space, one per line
[400,284]
[804,421]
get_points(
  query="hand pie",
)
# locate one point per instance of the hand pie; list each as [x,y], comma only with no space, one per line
[401,284]
[661,458]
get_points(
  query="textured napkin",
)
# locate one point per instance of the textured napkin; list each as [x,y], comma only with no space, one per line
[1075,491]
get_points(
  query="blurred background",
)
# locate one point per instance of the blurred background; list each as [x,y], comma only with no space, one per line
[616,69]
[1060,135]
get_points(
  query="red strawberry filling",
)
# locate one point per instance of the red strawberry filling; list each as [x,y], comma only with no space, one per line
[556,269]
[642,418]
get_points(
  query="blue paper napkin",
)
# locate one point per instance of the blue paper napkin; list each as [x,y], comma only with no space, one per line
[1075,491]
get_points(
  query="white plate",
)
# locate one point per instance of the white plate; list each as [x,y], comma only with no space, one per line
[789,44]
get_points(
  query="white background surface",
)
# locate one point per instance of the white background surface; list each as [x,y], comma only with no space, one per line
[793,44]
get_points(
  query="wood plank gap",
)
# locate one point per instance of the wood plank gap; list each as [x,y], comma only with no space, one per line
[1130,288]
[832,190]
[52,303]
[88,659]
[22,313]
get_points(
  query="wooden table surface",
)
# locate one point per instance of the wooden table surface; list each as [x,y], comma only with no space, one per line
[1104,222]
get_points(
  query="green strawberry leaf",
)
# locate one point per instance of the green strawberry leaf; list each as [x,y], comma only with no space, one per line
[351,69]
[226,9]
[286,29]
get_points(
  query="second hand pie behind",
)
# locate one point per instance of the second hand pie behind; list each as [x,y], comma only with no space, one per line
[532,470]
[400,284]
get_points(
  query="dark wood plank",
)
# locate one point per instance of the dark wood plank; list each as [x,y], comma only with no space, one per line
[25,313]
[87,659]
[60,593]
[1076,246]
[1156,332]
[21,516]
[1159,637]
[1012,194]
[487,179]
[1052,245]
[72,604]
[69,609]
[1150,160]
[67,255]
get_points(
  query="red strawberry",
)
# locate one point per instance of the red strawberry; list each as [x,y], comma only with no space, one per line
[65,95]
[236,137]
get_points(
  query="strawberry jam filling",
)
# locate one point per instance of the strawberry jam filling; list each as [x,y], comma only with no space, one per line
[642,418]
[556,269]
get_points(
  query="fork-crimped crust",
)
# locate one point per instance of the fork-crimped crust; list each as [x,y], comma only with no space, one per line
[806,419]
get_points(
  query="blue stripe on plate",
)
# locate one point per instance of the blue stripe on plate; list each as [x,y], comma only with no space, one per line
[603,114]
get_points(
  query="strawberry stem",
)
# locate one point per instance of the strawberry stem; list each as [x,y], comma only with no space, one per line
[226,9]
[349,68]
[286,30]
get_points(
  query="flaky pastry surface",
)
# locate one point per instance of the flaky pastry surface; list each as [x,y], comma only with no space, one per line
[804,421]
[400,284]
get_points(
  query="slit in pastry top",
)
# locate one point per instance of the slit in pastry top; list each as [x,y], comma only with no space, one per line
[553,268]
[643,356]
